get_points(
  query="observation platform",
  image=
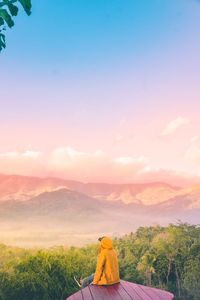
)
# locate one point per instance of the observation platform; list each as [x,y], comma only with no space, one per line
[121,291]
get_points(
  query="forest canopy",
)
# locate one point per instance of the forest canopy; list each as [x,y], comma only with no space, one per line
[163,257]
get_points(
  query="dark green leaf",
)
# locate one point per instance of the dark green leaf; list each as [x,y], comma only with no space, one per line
[6,17]
[26,5]
[3,37]
[13,9]
[8,9]
[2,41]
[1,21]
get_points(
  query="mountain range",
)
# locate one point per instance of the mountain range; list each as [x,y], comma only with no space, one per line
[51,211]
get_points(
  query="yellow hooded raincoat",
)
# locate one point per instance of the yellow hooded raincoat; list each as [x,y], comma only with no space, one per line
[107,269]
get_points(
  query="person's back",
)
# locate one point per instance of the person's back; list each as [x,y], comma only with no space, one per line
[107,269]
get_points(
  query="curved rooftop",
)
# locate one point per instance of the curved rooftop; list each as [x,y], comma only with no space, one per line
[121,291]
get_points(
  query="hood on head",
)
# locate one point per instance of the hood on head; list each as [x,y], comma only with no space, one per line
[106,243]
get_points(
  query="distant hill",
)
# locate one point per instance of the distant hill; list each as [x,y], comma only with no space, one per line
[24,187]
[63,216]
[184,200]
[50,211]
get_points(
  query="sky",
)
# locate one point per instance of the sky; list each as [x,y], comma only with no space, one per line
[103,91]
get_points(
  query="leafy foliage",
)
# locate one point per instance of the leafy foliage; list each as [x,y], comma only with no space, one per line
[164,257]
[8,10]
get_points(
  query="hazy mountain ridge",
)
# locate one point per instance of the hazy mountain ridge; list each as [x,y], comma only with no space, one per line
[57,216]
[24,188]
[50,211]
[186,199]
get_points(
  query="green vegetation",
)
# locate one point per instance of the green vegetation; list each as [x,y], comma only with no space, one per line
[164,257]
[8,10]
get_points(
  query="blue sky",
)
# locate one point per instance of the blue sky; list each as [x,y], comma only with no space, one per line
[84,34]
[87,73]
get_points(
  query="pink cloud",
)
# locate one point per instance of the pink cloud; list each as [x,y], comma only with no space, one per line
[23,163]
[94,166]
[97,166]
[193,152]
[175,124]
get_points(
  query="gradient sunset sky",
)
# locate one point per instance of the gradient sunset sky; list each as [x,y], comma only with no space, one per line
[104,90]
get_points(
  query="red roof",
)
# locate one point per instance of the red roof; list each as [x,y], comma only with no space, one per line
[121,291]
